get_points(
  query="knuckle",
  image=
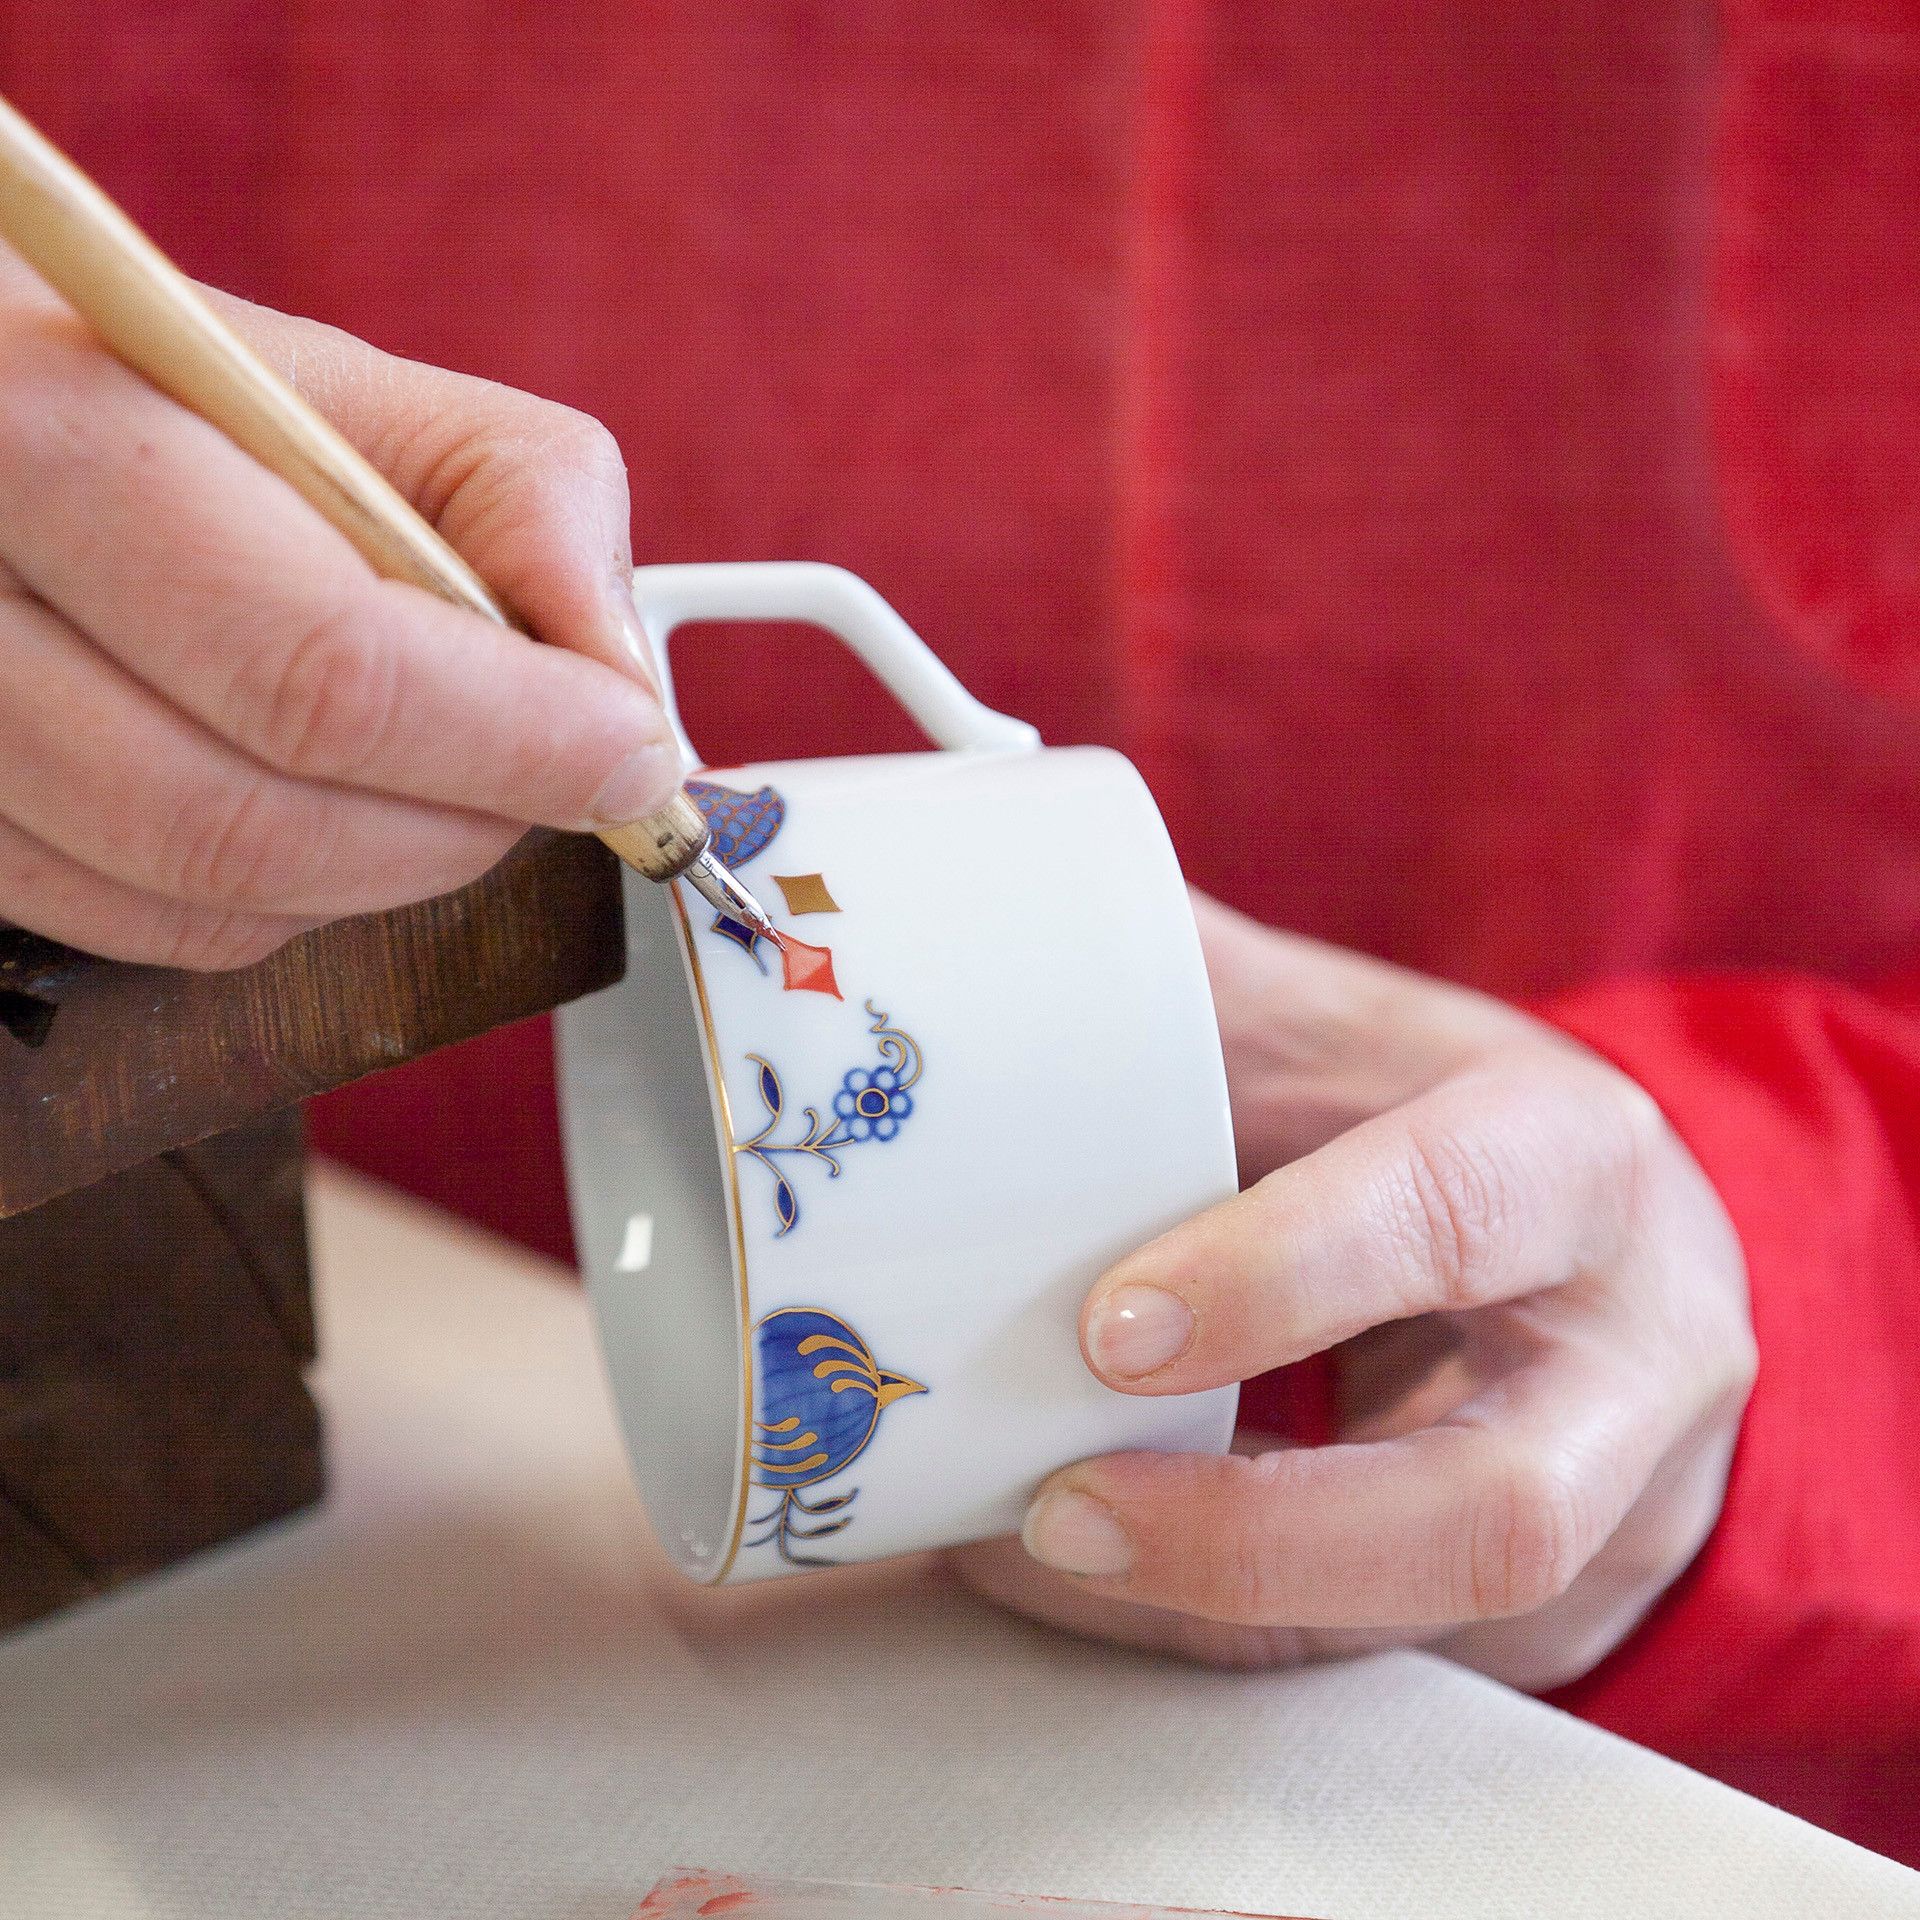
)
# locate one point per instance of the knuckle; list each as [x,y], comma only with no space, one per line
[1636,1144]
[545,435]
[562,450]
[1237,1583]
[327,707]
[1237,1592]
[1720,1353]
[543,440]
[517,465]
[1528,1541]
[1626,1143]
[1452,1212]
[1643,1123]
[221,844]
[580,443]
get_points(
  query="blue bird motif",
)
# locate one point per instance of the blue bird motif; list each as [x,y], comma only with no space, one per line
[819,1396]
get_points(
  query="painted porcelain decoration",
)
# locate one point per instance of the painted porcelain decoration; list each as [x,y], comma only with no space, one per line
[839,1195]
[818,1392]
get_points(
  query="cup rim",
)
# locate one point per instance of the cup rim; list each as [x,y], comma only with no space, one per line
[720,1113]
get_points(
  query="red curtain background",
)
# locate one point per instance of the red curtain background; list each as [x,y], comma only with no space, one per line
[1466,452]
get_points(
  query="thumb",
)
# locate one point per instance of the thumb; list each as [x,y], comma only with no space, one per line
[532,494]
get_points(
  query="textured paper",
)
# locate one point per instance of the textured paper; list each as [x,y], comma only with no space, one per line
[692,1893]
[471,1687]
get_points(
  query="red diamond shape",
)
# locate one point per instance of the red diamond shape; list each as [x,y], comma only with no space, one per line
[807,969]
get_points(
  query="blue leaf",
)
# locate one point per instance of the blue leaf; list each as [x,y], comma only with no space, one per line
[770,1090]
[742,936]
[818,1533]
[784,1204]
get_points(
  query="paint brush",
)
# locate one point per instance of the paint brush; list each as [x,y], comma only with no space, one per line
[153,317]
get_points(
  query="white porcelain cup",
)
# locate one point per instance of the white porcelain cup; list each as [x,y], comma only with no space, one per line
[839,1202]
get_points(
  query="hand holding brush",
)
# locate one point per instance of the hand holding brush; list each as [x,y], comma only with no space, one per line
[228,712]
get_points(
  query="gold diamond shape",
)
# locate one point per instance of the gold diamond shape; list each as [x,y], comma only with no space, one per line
[806,893]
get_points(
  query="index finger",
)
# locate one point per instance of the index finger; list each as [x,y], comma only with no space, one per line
[212,582]
[533,493]
[1518,1174]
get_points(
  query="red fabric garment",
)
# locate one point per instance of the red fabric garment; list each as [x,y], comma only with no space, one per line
[1467,452]
[1788,1658]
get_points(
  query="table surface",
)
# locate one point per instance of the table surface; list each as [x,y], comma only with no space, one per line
[470,1686]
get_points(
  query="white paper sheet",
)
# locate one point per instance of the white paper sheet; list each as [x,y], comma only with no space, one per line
[470,1688]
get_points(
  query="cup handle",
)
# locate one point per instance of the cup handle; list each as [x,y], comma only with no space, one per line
[850,610]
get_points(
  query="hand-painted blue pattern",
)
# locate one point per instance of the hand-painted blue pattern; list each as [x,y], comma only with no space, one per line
[819,1394]
[872,1104]
[746,938]
[818,1391]
[742,825]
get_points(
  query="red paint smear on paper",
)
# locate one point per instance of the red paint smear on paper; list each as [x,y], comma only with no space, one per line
[725,1893]
[806,969]
[688,1883]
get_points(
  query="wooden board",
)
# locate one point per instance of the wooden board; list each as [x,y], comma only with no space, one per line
[104,1066]
[154,1331]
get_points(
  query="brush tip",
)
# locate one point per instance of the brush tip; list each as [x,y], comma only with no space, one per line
[726,895]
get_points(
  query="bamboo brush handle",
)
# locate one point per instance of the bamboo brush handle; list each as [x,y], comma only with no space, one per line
[154,318]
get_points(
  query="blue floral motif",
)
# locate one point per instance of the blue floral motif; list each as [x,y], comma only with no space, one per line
[871,1105]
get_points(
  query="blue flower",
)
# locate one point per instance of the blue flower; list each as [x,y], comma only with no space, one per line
[872,1103]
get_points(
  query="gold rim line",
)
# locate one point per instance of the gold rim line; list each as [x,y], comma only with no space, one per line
[732,1164]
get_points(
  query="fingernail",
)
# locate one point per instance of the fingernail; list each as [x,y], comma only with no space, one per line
[642,782]
[1136,1330]
[633,636]
[1075,1533]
